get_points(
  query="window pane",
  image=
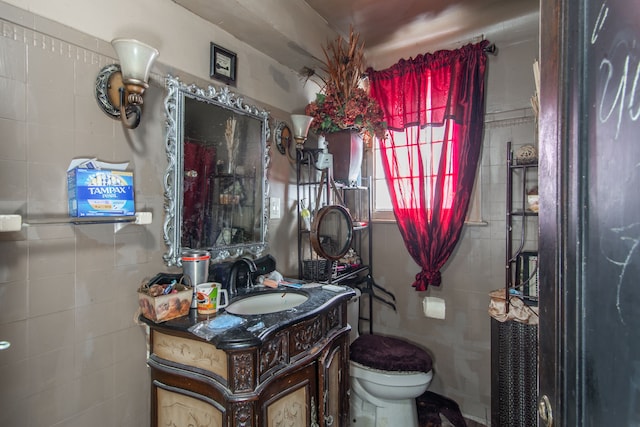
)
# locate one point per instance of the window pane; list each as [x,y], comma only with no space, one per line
[427,151]
[437,133]
[382,197]
[402,159]
[378,170]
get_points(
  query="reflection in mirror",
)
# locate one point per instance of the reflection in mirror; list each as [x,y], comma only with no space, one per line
[332,232]
[215,183]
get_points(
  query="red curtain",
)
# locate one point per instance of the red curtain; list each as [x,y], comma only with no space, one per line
[445,89]
[199,163]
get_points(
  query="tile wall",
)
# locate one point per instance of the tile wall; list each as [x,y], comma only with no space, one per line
[68,293]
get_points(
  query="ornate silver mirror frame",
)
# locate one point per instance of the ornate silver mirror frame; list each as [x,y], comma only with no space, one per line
[225,106]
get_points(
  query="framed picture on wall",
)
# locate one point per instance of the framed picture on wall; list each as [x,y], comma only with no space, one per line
[223,64]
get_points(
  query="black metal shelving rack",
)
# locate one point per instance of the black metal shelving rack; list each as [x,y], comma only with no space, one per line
[316,187]
[514,274]
[514,344]
[313,187]
[358,200]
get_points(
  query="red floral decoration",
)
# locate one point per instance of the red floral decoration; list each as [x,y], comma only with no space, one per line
[360,112]
[342,104]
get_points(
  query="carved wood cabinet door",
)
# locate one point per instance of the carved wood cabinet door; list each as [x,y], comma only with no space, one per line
[292,400]
[178,409]
[333,383]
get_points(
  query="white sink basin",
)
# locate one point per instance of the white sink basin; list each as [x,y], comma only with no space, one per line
[265,303]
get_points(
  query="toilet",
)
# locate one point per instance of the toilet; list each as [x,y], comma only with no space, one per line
[386,376]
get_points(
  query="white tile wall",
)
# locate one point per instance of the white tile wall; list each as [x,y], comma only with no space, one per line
[68,293]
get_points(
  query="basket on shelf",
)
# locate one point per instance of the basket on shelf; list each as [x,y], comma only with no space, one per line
[316,269]
[526,155]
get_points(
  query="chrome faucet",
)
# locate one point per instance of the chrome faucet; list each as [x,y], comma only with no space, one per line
[233,275]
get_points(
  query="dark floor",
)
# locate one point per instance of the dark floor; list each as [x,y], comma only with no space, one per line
[439,411]
[471,423]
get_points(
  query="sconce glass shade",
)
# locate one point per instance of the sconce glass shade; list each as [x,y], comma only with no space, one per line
[301,125]
[136,59]
[119,88]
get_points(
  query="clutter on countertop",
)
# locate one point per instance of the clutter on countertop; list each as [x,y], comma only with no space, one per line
[195,267]
[270,283]
[164,297]
[289,284]
[207,329]
[333,288]
[258,326]
[270,280]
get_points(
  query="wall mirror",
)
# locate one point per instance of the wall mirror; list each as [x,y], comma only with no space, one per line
[216,179]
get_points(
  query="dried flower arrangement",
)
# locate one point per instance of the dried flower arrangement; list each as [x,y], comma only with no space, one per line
[342,102]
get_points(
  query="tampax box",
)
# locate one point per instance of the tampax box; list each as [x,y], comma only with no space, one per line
[100,192]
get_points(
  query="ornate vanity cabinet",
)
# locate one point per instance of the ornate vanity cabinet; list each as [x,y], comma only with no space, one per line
[293,372]
[285,368]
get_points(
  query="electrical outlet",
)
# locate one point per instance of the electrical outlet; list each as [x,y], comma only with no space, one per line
[274,208]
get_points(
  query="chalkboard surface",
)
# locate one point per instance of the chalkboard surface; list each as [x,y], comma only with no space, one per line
[610,195]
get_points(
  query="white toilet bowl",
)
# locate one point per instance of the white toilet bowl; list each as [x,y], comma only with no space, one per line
[385,398]
[392,385]
[386,376]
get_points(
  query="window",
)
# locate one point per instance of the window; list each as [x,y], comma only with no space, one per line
[432,141]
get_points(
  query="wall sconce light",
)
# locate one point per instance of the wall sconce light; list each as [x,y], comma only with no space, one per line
[301,125]
[119,88]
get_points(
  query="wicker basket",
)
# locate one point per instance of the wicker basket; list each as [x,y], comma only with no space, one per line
[526,155]
[316,269]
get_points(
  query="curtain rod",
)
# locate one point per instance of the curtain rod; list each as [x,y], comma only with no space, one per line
[492,49]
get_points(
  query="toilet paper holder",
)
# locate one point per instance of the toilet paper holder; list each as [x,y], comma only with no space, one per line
[434,307]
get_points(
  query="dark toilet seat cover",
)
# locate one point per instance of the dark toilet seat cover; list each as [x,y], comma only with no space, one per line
[389,354]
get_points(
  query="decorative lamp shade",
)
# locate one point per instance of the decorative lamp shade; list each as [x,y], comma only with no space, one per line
[136,59]
[301,125]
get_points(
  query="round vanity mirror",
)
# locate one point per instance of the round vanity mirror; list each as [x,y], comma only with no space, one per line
[332,232]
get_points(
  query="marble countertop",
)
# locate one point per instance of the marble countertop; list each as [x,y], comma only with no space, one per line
[257,328]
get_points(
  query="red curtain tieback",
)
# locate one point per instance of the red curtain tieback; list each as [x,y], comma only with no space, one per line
[426,278]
